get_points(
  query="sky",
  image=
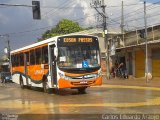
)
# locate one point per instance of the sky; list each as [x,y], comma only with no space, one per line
[18,23]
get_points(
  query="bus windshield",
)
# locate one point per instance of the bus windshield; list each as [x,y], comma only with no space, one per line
[79,56]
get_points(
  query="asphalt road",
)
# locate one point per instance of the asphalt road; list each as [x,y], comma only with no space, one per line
[97,103]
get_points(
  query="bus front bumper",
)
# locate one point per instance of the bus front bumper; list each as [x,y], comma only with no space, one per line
[81,83]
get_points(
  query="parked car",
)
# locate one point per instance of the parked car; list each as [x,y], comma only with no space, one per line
[5,77]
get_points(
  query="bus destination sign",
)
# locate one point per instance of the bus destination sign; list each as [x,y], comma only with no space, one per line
[79,40]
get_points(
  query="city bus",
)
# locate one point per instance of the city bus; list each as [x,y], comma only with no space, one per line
[70,61]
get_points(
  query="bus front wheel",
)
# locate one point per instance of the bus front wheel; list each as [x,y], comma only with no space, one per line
[45,87]
[82,90]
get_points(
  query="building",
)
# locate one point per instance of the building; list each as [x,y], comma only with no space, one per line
[4,64]
[133,52]
[131,49]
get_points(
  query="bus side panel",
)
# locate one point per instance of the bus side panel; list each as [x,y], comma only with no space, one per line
[35,75]
[16,73]
[15,78]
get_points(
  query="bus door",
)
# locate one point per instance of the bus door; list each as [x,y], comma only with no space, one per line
[52,59]
[26,63]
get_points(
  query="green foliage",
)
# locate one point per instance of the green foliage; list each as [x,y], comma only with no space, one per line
[64,26]
[67,26]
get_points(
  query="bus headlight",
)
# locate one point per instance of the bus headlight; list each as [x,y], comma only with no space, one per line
[66,78]
[63,76]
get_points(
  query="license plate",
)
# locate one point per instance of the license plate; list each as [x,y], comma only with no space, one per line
[83,82]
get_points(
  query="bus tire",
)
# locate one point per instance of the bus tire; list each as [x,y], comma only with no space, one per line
[21,82]
[82,90]
[45,85]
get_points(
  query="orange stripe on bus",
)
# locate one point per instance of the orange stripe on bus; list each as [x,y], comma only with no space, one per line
[98,81]
[65,83]
[19,69]
[35,72]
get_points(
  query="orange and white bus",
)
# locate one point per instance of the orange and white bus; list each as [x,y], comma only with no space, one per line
[71,61]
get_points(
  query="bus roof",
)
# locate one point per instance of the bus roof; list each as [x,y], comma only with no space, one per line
[52,39]
[34,45]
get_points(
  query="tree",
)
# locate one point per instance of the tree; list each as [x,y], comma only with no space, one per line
[67,26]
[64,26]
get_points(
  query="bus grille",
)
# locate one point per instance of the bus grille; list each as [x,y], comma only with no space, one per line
[89,77]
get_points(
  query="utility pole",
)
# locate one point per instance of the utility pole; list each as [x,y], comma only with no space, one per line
[122,22]
[100,4]
[146,42]
[8,47]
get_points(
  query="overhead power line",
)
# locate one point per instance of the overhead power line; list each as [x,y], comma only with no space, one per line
[42,28]
[123,5]
[57,7]
[27,31]
[150,16]
[148,10]
[83,7]
[53,11]
[139,10]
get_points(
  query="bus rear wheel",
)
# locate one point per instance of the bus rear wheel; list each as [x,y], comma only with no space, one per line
[82,90]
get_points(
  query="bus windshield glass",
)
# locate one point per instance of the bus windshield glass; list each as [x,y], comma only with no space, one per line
[78,55]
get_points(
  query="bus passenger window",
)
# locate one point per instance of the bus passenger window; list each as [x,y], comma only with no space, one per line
[45,55]
[27,58]
[38,56]
[13,60]
[32,57]
[21,59]
[17,60]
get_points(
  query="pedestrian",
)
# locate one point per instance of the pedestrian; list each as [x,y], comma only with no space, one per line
[122,70]
[114,70]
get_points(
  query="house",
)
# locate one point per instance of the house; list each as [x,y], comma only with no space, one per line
[134,52]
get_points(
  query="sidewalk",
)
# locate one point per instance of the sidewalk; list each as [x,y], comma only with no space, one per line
[132,82]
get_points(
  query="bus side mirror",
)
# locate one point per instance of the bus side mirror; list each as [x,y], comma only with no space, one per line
[56,52]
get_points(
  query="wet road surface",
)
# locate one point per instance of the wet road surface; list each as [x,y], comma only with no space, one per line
[106,99]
